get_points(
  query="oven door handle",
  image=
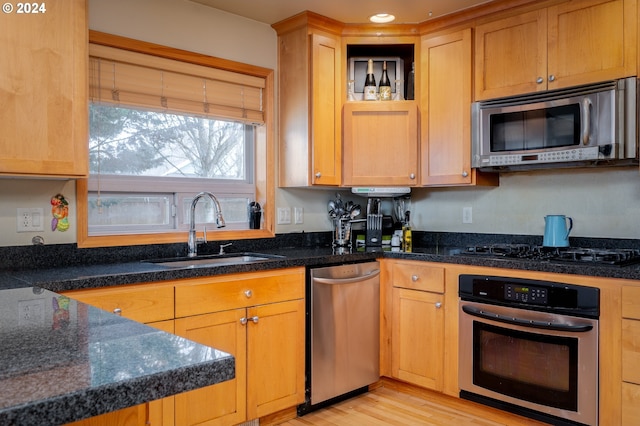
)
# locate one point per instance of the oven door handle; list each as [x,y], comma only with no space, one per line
[481,313]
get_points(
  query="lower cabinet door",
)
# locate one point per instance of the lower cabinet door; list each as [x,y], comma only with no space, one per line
[132,416]
[630,403]
[417,337]
[223,403]
[275,355]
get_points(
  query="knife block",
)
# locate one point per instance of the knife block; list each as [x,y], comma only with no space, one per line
[374,230]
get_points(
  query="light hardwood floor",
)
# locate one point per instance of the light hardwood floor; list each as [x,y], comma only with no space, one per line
[392,404]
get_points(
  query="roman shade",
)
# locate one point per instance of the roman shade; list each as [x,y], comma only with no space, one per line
[134,79]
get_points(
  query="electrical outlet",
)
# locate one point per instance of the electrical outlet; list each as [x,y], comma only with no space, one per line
[31,312]
[467,215]
[284,215]
[298,213]
[29,220]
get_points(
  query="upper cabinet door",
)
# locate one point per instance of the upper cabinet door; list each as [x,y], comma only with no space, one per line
[325,111]
[511,56]
[43,91]
[569,44]
[591,41]
[380,143]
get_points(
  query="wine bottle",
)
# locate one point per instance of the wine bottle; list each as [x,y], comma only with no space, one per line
[385,84]
[411,82]
[370,83]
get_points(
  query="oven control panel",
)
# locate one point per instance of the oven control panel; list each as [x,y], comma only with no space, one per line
[525,294]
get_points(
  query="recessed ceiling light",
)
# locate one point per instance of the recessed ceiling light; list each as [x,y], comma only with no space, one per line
[382,18]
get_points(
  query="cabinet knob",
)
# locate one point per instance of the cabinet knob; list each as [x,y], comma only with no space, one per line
[438,305]
[539,80]
[465,173]
[412,176]
[318,175]
[117,311]
[243,321]
[414,278]
[552,77]
[254,319]
[248,293]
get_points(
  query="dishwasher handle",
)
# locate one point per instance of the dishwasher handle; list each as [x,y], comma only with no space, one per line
[357,279]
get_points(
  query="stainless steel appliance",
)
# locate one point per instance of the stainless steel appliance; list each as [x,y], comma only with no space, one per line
[343,332]
[586,125]
[530,347]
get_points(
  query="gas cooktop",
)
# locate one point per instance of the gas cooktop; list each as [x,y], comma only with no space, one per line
[597,256]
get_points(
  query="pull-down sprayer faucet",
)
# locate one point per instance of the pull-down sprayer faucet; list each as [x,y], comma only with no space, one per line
[192,242]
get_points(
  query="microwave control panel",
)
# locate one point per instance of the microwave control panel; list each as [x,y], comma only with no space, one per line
[563,156]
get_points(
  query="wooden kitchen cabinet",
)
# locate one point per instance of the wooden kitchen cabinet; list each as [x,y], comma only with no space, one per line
[380,143]
[145,303]
[43,91]
[417,324]
[310,79]
[630,354]
[445,112]
[568,44]
[259,318]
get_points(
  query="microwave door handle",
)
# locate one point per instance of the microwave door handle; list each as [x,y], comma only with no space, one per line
[481,313]
[586,120]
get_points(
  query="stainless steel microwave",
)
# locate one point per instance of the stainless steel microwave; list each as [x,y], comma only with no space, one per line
[581,126]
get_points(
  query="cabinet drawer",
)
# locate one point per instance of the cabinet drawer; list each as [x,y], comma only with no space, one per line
[237,291]
[630,404]
[631,302]
[631,351]
[143,302]
[415,276]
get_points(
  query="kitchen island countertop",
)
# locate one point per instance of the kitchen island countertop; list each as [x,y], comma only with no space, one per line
[63,360]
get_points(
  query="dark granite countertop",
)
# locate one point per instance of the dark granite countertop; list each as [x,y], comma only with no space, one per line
[103,275]
[58,374]
[63,360]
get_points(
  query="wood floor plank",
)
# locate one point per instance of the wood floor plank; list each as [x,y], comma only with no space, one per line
[393,404]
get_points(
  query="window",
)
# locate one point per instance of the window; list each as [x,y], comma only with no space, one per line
[162,130]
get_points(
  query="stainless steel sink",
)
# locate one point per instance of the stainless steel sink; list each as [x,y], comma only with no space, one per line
[215,260]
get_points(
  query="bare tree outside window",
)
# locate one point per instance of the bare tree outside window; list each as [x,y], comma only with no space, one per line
[148,143]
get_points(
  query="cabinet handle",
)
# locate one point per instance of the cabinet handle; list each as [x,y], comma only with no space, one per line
[438,305]
[248,293]
[117,311]
[539,80]
[245,320]
[465,173]
[414,278]
[552,77]
[412,176]
[318,175]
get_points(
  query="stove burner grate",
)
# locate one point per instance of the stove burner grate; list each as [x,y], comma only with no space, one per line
[617,257]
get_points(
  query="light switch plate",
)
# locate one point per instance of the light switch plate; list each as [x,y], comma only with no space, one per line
[284,215]
[298,215]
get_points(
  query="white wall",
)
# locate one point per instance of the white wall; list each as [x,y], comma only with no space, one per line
[603,203]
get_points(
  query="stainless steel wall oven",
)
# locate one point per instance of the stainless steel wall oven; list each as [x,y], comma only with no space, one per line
[530,347]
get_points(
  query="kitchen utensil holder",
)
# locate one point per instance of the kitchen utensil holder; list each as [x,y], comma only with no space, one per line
[342,232]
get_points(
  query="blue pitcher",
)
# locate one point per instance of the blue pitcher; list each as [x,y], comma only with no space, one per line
[556,233]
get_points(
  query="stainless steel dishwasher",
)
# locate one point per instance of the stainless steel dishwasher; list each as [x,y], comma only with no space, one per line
[344,330]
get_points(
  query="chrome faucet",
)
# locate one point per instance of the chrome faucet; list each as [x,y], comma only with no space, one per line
[192,242]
